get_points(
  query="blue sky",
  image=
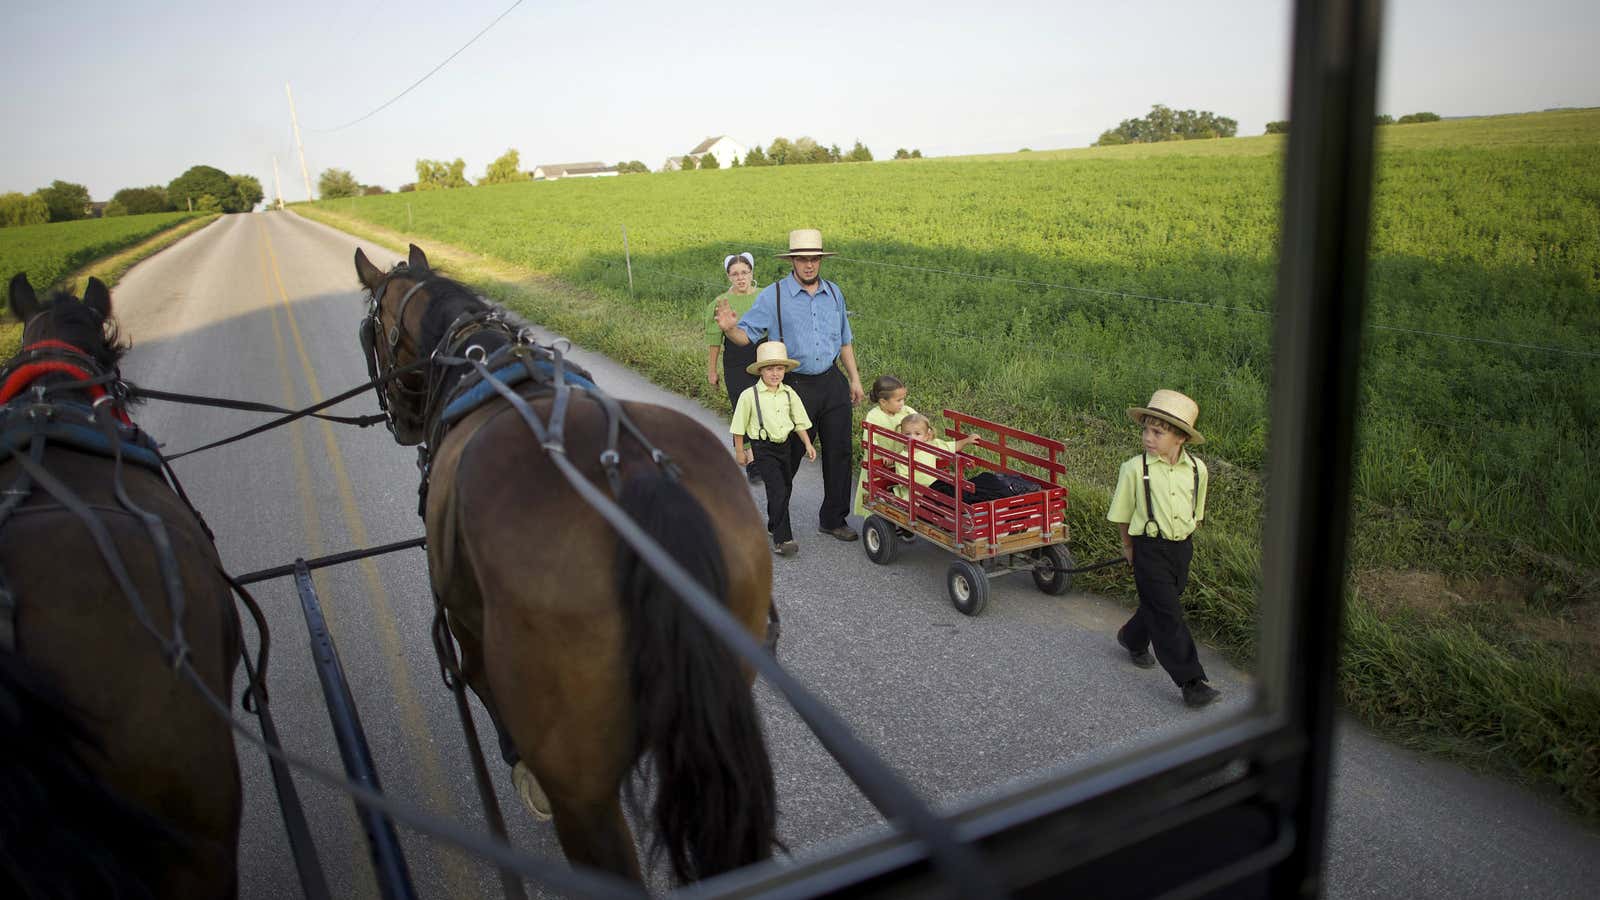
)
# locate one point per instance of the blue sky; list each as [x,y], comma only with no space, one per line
[115,95]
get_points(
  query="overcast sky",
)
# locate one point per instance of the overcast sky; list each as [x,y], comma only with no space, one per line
[123,94]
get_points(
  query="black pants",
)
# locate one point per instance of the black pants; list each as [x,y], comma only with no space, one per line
[1161,572]
[777,464]
[826,396]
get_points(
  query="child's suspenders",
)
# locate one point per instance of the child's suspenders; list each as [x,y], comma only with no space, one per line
[1149,507]
[761,421]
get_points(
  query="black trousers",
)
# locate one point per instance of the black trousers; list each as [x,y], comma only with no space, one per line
[777,464]
[1161,572]
[734,377]
[826,396]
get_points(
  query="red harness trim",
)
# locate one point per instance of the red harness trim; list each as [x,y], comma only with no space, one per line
[26,375]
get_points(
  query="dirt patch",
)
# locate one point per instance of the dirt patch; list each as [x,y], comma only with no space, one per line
[1576,628]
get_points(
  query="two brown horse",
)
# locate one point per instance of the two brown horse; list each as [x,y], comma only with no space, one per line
[116,778]
[585,660]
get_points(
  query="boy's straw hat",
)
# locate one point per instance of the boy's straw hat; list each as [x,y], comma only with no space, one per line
[805,242]
[1174,409]
[771,353]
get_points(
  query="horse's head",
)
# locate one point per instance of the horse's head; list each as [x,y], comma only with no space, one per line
[400,328]
[86,325]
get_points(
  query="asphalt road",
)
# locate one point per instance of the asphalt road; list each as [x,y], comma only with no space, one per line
[265,307]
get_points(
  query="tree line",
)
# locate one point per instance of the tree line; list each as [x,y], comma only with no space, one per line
[201,188]
[1282,126]
[1167,124]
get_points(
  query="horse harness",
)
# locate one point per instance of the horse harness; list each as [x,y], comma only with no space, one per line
[482,356]
[31,418]
[1149,505]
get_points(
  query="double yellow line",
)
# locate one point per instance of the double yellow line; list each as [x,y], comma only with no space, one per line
[456,868]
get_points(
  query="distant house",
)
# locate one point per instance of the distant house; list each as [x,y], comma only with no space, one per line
[724,148]
[572,170]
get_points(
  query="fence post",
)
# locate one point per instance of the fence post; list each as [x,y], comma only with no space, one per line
[409,225]
[628,258]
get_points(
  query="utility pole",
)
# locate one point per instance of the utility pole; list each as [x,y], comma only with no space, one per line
[302,147]
[277,182]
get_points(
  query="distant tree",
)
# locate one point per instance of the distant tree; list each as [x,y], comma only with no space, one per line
[756,157]
[66,201]
[734,164]
[334,184]
[207,203]
[632,167]
[23,209]
[916,154]
[1026,150]
[505,170]
[372,190]
[806,151]
[1414,118]
[406,188]
[1282,126]
[902,153]
[780,150]
[113,209]
[859,153]
[687,164]
[709,161]
[1167,124]
[436,175]
[139,201]
[834,154]
[199,181]
[246,194]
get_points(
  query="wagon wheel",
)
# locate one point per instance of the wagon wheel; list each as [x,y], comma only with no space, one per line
[969,587]
[878,539]
[1050,570]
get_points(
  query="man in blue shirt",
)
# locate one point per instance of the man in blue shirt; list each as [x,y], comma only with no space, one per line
[808,315]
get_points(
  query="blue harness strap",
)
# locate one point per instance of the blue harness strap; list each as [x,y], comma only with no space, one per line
[65,428]
[509,374]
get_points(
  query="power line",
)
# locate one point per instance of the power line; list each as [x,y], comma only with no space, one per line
[425,77]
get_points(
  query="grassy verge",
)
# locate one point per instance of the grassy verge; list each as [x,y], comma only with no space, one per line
[1493,681]
[109,269]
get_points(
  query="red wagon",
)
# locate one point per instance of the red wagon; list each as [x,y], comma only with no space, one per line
[1026,532]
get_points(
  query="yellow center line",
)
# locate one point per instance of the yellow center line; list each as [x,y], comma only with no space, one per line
[461,883]
[366,882]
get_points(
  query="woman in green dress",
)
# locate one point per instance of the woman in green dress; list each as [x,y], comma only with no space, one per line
[741,295]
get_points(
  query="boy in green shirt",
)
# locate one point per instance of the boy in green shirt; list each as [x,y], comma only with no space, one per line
[772,417]
[1159,501]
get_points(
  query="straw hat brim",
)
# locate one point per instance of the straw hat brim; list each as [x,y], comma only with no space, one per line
[1137,414]
[754,368]
[798,253]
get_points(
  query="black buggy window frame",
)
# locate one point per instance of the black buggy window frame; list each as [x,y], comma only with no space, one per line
[1238,808]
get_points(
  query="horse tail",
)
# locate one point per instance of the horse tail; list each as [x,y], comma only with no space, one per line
[63,831]
[716,805]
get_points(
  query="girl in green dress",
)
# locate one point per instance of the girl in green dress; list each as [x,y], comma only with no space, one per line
[741,295]
[888,396]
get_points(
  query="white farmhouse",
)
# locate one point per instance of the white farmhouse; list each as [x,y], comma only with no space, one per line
[724,148]
[555,171]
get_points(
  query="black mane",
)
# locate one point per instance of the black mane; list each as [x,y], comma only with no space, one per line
[75,323]
[450,300]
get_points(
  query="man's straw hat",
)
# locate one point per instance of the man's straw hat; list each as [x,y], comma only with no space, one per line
[1173,408]
[771,353]
[805,242]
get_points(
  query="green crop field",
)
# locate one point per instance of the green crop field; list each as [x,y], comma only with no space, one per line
[1051,290]
[48,254]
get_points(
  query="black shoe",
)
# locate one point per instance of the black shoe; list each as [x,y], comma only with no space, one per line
[1197,693]
[1141,658]
[785,548]
[843,532]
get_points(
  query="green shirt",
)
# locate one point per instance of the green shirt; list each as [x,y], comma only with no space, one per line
[741,304]
[781,411]
[1172,489]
